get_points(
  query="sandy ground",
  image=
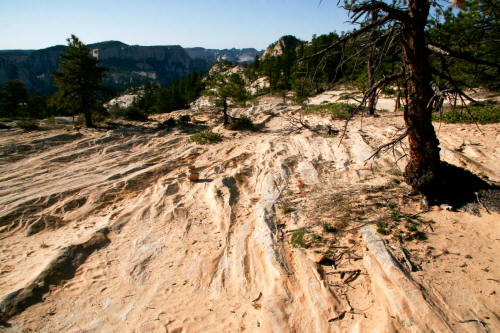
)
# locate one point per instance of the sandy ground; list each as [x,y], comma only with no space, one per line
[217,255]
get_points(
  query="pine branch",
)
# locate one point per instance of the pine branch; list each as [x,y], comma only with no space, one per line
[349,36]
[392,12]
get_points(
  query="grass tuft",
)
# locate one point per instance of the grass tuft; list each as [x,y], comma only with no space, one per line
[205,137]
[298,239]
[335,110]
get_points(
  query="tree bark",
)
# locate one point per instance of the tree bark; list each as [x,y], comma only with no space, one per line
[226,117]
[88,119]
[422,171]
[371,79]
[86,111]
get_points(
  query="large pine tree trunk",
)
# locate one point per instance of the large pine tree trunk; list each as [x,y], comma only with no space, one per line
[422,171]
[85,109]
[371,81]
[226,117]
[370,67]
[88,119]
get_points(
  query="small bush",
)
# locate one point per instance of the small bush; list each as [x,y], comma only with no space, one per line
[388,90]
[287,208]
[134,113]
[382,227]
[395,215]
[243,123]
[28,125]
[481,114]
[169,123]
[205,137]
[335,110]
[298,239]
[50,121]
[328,228]
[184,119]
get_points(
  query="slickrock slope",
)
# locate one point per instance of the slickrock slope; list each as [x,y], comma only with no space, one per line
[101,231]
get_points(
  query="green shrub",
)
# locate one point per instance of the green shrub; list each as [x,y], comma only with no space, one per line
[205,137]
[328,228]
[243,123]
[388,90]
[184,119]
[28,125]
[287,208]
[298,239]
[134,113]
[50,121]
[382,227]
[395,215]
[169,123]
[335,110]
[481,114]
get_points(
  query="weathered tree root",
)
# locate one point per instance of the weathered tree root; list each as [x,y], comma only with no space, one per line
[63,267]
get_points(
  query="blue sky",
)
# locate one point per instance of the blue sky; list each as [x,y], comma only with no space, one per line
[34,24]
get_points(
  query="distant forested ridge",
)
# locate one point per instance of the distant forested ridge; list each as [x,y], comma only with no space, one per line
[128,64]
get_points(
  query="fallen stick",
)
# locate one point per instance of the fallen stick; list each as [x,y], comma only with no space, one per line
[339,317]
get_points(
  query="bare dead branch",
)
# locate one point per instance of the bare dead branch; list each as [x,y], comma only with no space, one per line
[388,144]
[445,51]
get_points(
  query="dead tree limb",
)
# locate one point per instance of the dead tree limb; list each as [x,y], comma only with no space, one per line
[443,50]
[388,144]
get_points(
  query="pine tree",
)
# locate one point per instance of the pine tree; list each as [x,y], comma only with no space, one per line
[79,79]
[223,87]
[13,99]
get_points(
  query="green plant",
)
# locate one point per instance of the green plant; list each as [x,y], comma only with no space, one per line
[28,125]
[335,110]
[184,119]
[43,245]
[205,137]
[169,123]
[388,90]
[134,113]
[395,215]
[242,123]
[50,120]
[328,228]
[287,208]
[420,235]
[411,228]
[395,172]
[382,227]
[298,239]
[398,237]
[481,114]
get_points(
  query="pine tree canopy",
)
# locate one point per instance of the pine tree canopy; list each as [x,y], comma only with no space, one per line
[79,79]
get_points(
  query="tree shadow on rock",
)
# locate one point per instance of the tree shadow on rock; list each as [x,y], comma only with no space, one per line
[459,188]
